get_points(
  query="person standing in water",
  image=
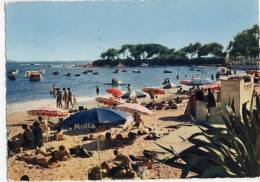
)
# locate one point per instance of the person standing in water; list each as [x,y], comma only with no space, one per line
[129,88]
[97,90]
[59,98]
[65,97]
[69,100]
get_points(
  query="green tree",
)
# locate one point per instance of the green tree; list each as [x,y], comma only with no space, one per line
[215,49]
[245,43]
[110,54]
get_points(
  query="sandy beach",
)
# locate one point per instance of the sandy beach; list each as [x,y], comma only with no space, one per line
[77,168]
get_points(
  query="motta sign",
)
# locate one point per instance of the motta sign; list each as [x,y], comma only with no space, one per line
[84,126]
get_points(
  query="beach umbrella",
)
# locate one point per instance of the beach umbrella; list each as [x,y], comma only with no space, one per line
[214,86]
[169,86]
[154,90]
[48,111]
[185,82]
[199,82]
[129,107]
[109,101]
[134,94]
[114,91]
[96,117]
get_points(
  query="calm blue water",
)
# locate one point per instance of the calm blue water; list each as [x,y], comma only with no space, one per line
[23,90]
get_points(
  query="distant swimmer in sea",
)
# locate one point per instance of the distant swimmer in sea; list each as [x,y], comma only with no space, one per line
[177,77]
[212,77]
[97,90]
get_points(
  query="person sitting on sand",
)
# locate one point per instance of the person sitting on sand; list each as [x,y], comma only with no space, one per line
[125,161]
[58,134]
[27,136]
[171,105]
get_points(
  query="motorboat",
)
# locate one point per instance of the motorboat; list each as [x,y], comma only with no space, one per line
[223,71]
[95,73]
[123,70]
[167,71]
[136,71]
[85,72]
[56,72]
[29,73]
[116,71]
[11,76]
[67,74]
[77,74]
[35,76]
[15,71]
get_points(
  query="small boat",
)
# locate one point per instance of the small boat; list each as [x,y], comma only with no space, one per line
[11,76]
[35,76]
[136,71]
[116,71]
[144,65]
[13,71]
[56,72]
[167,71]
[192,69]
[29,73]
[123,70]
[85,72]
[95,73]
[90,70]
[77,74]
[67,74]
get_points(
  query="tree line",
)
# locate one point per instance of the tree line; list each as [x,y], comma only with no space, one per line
[244,44]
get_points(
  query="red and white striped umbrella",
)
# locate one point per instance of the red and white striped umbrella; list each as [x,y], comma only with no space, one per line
[48,111]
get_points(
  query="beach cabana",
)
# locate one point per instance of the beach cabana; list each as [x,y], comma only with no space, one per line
[48,111]
[129,107]
[114,91]
[97,117]
[134,94]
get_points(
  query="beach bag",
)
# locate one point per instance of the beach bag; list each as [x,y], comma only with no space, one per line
[132,136]
[94,174]
[119,137]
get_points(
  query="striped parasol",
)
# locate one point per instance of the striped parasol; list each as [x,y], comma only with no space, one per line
[109,101]
[48,111]
[154,90]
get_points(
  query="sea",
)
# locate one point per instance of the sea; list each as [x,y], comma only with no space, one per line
[22,90]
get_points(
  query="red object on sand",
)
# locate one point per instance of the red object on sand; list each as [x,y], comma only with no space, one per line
[108,101]
[115,92]
[214,86]
[48,111]
[185,82]
[154,90]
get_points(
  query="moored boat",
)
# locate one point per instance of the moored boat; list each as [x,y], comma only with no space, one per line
[136,71]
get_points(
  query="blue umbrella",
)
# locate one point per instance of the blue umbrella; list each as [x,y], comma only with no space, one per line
[199,82]
[96,117]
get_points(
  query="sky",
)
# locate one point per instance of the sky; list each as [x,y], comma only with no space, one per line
[67,31]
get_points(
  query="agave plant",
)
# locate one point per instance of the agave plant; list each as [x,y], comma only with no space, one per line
[228,151]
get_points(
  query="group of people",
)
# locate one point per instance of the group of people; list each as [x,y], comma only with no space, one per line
[32,136]
[166,81]
[63,99]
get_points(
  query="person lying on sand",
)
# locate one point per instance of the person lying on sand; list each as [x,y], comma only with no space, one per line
[60,155]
